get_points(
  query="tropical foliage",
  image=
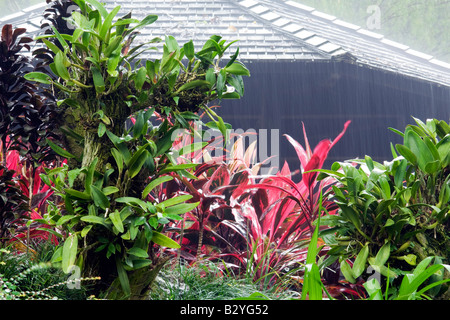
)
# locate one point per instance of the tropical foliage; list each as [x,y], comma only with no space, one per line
[103,179]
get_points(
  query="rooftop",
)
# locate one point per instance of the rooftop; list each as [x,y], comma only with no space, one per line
[266,30]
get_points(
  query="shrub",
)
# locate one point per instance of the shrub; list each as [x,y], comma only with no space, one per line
[393,215]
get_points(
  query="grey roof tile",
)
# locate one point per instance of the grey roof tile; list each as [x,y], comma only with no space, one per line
[267,29]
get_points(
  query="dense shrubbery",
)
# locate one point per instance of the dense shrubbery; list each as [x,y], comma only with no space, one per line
[115,203]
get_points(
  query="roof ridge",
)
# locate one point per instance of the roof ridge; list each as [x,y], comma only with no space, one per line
[259,8]
[281,30]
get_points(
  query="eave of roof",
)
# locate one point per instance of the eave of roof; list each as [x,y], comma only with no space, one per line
[267,30]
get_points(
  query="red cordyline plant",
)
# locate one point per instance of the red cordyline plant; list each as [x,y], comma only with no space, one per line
[277,214]
[262,224]
[34,194]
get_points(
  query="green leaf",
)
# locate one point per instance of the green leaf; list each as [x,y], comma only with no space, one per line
[193,84]
[89,179]
[347,272]
[418,147]
[136,166]
[210,77]
[106,26]
[443,147]
[97,5]
[101,129]
[113,46]
[94,219]
[141,75]
[178,167]
[110,190]
[407,154]
[399,177]
[133,202]
[38,77]
[181,208]
[138,252]
[146,21]
[117,220]
[237,69]
[193,147]
[61,40]
[99,82]
[60,66]
[189,50]
[360,262]
[85,230]
[64,219]
[164,241]
[118,157]
[123,276]
[69,252]
[155,183]
[383,254]
[312,283]
[373,288]
[77,194]
[59,150]
[99,198]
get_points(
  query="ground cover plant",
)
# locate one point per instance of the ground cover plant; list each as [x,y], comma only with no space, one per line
[103,182]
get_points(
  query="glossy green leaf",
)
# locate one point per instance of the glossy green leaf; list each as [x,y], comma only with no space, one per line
[164,241]
[118,157]
[407,154]
[59,150]
[141,75]
[418,147]
[69,252]
[155,183]
[77,194]
[38,77]
[138,252]
[60,39]
[136,166]
[359,264]
[383,254]
[373,288]
[192,84]
[210,77]
[95,219]
[189,50]
[347,272]
[399,176]
[85,230]
[99,82]
[114,45]
[117,220]
[313,282]
[101,129]
[123,276]
[106,26]
[110,190]
[133,202]
[238,69]
[89,179]
[178,167]
[181,208]
[61,69]
[99,198]
[97,5]
[443,148]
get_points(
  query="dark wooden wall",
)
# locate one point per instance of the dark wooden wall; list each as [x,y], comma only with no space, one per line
[324,95]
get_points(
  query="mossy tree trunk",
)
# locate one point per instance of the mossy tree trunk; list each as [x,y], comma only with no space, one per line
[141,281]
